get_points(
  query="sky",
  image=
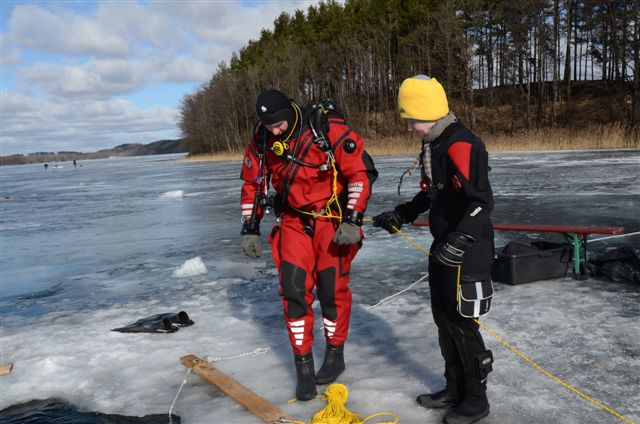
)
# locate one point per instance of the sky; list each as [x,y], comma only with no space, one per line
[85,75]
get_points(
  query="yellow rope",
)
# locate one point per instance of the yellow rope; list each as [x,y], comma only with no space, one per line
[548,374]
[520,354]
[411,242]
[337,413]
[328,212]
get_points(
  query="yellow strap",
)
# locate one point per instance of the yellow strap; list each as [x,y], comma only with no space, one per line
[293,127]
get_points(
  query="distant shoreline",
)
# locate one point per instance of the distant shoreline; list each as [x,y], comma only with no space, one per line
[237,156]
[160,147]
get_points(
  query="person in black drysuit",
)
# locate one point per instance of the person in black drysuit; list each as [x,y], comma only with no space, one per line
[455,189]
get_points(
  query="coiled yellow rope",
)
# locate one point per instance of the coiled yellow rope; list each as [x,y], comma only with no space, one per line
[336,413]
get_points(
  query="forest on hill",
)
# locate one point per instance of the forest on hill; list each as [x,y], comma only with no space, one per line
[160,147]
[508,66]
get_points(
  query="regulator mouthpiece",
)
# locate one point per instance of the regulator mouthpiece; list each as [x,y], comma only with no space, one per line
[279,148]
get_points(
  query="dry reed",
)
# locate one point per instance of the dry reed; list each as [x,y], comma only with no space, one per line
[598,137]
[213,157]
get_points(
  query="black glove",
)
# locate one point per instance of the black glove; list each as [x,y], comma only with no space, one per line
[388,220]
[451,251]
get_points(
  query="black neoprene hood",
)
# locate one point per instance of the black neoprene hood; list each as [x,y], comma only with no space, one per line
[273,106]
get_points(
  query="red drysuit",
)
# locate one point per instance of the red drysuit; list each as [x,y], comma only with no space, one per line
[302,246]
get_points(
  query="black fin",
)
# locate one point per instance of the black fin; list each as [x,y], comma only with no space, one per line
[160,323]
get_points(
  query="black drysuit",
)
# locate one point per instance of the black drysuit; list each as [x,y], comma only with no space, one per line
[459,198]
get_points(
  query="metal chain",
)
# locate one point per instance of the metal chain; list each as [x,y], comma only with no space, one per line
[255,352]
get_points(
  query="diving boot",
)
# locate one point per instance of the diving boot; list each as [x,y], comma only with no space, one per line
[453,391]
[442,399]
[306,386]
[473,407]
[332,366]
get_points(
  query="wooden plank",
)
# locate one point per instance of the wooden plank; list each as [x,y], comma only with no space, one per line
[249,400]
[546,228]
[5,369]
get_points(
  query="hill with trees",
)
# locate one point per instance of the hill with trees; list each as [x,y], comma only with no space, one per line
[160,147]
[509,67]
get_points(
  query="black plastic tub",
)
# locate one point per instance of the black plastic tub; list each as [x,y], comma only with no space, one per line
[519,263]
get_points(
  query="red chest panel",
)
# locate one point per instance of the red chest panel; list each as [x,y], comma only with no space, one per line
[308,186]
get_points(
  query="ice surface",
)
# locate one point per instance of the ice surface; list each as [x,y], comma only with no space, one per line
[87,249]
[190,268]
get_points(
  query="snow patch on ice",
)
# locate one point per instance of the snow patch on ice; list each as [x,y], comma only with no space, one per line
[190,268]
[175,194]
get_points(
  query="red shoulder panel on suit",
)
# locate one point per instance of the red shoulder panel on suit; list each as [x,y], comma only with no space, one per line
[460,154]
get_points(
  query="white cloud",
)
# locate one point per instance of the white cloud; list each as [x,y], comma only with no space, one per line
[150,31]
[64,32]
[9,54]
[94,79]
[186,68]
[30,125]
[228,24]
[67,94]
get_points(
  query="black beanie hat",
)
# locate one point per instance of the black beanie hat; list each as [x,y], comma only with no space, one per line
[274,106]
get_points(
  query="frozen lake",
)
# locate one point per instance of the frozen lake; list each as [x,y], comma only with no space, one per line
[91,248]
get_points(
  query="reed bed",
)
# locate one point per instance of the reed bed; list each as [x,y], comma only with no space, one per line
[214,157]
[597,137]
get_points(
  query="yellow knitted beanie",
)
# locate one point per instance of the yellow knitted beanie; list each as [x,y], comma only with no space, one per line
[422,98]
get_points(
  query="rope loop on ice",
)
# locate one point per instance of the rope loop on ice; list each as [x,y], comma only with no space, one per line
[175,400]
[337,413]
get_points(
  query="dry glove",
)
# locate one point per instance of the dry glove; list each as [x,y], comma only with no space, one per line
[388,220]
[251,245]
[451,251]
[347,233]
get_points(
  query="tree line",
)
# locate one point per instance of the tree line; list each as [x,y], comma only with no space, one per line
[523,60]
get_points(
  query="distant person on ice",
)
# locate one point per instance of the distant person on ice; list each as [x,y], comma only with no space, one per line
[319,170]
[455,189]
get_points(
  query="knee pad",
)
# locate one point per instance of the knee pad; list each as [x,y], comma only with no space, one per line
[484,364]
[293,287]
[327,292]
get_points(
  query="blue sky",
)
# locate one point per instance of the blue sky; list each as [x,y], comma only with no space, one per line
[86,75]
